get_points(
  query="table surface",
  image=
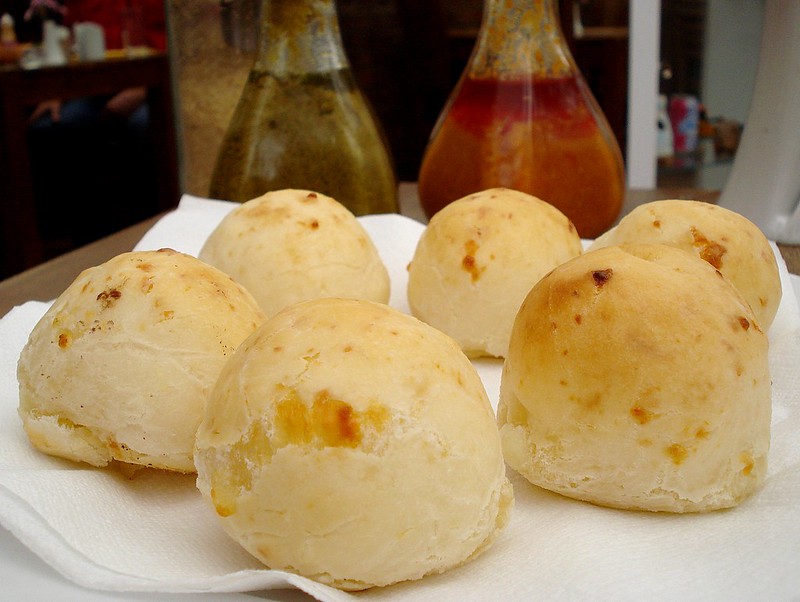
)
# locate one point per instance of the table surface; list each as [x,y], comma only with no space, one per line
[46,281]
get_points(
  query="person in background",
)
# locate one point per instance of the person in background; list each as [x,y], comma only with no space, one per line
[119,20]
[98,147]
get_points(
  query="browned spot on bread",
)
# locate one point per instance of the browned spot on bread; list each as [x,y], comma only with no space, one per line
[677,453]
[748,462]
[469,263]
[223,509]
[64,340]
[710,250]
[108,297]
[600,277]
[328,422]
[336,422]
[641,415]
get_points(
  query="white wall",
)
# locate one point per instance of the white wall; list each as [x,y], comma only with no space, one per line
[733,37]
[730,60]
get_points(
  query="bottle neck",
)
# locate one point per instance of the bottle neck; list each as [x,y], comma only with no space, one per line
[520,38]
[298,37]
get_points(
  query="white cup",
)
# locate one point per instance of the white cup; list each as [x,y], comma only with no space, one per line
[54,37]
[90,42]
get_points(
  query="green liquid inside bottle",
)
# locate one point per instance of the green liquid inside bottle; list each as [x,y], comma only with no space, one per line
[302,121]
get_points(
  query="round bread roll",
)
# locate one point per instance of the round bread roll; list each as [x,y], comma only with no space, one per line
[637,378]
[479,257]
[354,445]
[725,239]
[120,366]
[294,245]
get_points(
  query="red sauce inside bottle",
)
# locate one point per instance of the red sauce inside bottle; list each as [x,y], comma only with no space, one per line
[538,136]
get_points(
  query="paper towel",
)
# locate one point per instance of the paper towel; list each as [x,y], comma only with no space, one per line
[155,533]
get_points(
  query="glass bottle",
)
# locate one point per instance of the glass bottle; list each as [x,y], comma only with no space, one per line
[301,121]
[523,117]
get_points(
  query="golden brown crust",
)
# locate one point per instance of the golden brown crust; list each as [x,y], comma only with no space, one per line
[120,365]
[638,378]
[294,245]
[347,425]
[478,258]
[726,240]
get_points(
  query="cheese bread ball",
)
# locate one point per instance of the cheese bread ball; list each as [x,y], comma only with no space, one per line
[637,377]
[294,245]
[725,239]
[354,445]
[479,257]
[120,366]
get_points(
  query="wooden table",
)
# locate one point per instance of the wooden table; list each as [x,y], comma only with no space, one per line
[22,89]
[48,280]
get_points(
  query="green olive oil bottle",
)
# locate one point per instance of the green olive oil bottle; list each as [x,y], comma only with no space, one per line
[301,121]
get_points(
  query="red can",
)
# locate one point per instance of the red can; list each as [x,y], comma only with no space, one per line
[684,113]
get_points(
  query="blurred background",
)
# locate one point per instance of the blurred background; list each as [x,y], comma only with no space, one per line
[407,56]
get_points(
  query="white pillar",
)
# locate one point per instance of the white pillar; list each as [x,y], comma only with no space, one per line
[764,184]
[643,78]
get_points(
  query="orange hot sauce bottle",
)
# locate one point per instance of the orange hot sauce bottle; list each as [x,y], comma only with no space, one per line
[523,117]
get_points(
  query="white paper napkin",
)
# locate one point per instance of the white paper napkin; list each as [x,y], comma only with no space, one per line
[155,533]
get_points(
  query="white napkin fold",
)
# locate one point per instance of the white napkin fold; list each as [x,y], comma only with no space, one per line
[155,533]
